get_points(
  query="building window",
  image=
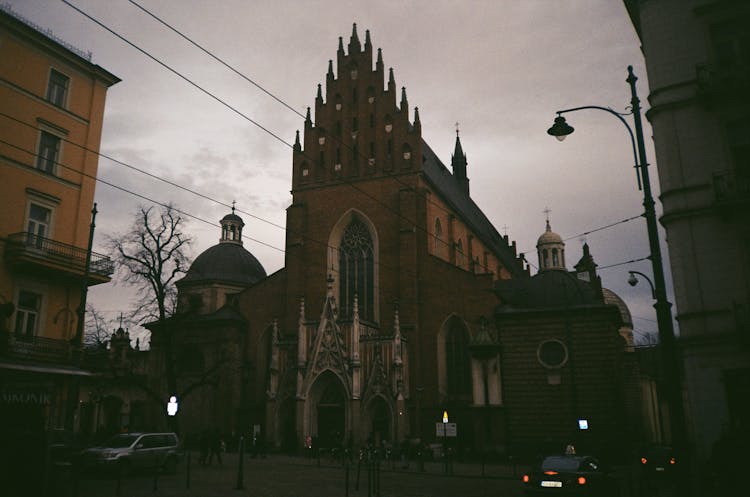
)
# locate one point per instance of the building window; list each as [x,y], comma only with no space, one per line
[27,313]
[457,361]
[555,261]
[552,354]
[460,254]
[57,91]
[38,226]
[357,271]
[49,148]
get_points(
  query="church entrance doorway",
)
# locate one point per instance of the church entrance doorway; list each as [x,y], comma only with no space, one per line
[330,411]
[380,430]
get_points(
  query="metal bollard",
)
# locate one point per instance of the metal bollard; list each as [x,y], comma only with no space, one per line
[156,473]
[187,471]
[346,478]
[359,467]
[240,468]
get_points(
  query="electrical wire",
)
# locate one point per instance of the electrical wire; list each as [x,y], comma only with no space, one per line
[226,104]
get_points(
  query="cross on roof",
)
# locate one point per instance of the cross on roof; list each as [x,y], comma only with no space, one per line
[233,202]
[546,211]
[456,128]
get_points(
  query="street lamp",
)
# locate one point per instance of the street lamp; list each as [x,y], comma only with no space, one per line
[560,129]
[633,280]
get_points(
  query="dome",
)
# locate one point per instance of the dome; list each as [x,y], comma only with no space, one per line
[611,297]
[228,261]
[546,289]
[233,217]
[225,263]
[549,237]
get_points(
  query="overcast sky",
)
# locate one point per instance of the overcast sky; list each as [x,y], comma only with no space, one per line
[500,68]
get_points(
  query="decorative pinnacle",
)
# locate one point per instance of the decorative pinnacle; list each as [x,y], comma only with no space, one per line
[341,44]
[320,93]
[391,79]
[380,56]
[307,116]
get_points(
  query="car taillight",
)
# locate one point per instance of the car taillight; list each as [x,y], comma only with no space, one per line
[525,478]
[672,461]
[644,460]
[550,473]
[581,480]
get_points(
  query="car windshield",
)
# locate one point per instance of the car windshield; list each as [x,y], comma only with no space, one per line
[120,441]
[561,463]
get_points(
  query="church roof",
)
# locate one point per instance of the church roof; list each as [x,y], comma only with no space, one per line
[546,289]
[225,263]
[451,191]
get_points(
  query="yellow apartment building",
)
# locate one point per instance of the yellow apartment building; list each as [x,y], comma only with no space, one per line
[51,109]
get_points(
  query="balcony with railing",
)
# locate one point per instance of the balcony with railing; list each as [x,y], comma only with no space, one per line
[37,253]
[34,348]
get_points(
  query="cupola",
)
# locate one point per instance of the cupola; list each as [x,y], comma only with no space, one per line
[231,228]
[551,250]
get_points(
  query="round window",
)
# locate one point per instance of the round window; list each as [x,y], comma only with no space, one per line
[552,354]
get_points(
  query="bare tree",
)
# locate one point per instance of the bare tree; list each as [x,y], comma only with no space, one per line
[96,332]
[151,256]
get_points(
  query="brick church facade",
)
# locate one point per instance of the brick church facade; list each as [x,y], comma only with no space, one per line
[383,316]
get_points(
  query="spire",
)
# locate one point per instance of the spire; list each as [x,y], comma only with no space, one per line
[354,45]
[319,96]
[458,163]
[297,146]
[341,46]
[417,122]
[380,59]
[308,121]
[391,79]
[368,43]
[404,101]
[329,76]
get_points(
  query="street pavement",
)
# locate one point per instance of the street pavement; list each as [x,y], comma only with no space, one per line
[285,476]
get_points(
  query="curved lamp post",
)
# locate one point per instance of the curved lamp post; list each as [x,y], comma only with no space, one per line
[633,280]
[560,129]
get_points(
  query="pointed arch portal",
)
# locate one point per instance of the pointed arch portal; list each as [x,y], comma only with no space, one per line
[328,410]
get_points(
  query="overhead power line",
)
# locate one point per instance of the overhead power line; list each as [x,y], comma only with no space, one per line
[226,104]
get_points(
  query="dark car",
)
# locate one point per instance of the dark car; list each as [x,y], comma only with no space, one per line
[658,461]
[570,475]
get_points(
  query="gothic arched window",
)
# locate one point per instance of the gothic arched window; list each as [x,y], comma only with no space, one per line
[357,271]
[457,361]
[438,237]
